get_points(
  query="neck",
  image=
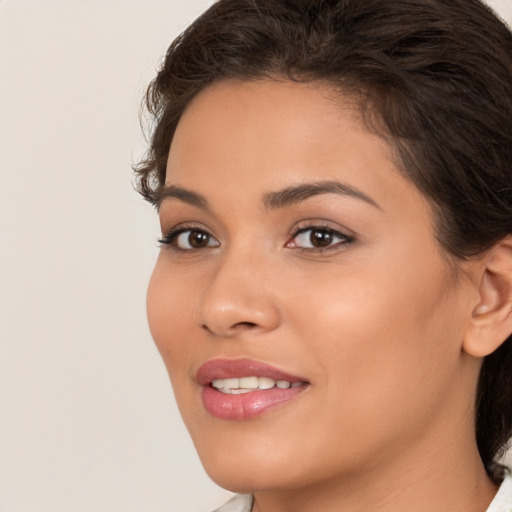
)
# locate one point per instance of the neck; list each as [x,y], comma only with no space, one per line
[432,476]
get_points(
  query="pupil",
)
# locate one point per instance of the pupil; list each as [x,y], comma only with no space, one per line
[198,239]
[320,238]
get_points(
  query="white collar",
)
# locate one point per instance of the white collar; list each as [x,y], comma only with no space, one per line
[502,502]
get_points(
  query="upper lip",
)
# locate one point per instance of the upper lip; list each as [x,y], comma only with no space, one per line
[237,368]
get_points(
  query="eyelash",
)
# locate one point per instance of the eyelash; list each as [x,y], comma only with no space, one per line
[344,239]
[171,238]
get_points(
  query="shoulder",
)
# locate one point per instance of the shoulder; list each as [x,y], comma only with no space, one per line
[239,503]
[502,502]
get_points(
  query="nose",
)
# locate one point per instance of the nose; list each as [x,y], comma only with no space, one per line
[239,298]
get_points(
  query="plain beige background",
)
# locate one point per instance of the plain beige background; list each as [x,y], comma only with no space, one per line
[87,420]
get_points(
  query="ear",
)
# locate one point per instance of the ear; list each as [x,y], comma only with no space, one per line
[491,321]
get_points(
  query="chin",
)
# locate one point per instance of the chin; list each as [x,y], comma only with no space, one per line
[245,478]
[241,482]
[249,465]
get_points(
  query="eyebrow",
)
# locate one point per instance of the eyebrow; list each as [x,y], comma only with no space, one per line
[272,200]
[182,194]
[296,194]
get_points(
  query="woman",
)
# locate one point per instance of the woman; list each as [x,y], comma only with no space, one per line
[333,295]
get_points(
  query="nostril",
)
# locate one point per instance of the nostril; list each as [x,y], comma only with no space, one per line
[245,324]
[235,327]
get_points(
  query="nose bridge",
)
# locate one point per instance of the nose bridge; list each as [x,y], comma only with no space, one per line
[238,296]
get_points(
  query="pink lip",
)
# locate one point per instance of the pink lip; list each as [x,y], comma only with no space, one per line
[231,368]
[246,405]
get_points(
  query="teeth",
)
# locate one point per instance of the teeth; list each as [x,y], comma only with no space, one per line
[266,382]
[231,383]
[236,386]
[249,383]
[218,383]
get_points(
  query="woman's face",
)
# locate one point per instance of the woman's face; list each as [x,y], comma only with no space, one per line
[295,254]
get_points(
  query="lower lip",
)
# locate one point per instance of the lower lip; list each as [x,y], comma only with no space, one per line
[246,405]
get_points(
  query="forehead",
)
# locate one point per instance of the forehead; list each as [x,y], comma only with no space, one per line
[239,139]
[291,109]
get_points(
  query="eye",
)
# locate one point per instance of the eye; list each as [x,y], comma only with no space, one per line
[318,238]
[188,239]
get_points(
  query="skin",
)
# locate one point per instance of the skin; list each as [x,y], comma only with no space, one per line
[376,324]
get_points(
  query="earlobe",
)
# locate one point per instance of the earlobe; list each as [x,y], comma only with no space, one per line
[491,321]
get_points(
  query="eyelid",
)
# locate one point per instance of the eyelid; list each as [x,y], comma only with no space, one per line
[320,225]
[167,240]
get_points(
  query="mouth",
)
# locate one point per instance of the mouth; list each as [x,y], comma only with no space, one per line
[239,389]
[238,386]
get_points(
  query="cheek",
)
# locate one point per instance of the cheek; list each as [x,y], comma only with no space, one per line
[169,307]
[382,335]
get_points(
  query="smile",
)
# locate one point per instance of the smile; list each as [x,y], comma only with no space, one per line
[236,386]
[242,389]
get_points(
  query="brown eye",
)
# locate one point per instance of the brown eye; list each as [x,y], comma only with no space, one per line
[197,239]
[190,239]
[320,238]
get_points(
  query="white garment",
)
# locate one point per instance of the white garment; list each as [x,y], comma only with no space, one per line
[239,503]
[502,502]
